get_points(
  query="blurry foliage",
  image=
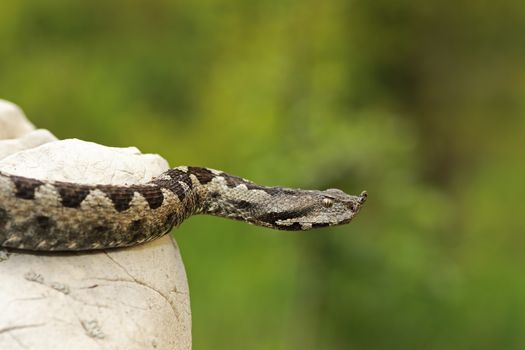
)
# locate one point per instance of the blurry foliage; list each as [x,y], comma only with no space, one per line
[420,103]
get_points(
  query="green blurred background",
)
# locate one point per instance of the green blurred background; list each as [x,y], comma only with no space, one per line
[420,103]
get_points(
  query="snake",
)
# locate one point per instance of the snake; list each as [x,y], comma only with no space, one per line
[44,215]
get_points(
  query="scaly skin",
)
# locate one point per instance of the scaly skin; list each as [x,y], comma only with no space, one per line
[59,216]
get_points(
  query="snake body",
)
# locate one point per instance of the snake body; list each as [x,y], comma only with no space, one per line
[63,216]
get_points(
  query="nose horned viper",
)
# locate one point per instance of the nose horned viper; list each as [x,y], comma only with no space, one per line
[64,216]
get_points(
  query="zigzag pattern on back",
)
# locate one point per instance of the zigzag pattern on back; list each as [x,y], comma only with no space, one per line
[54,215]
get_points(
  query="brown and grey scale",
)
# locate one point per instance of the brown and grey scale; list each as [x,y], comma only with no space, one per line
[54,215]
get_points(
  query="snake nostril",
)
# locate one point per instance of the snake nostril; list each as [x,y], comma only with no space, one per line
[362,197]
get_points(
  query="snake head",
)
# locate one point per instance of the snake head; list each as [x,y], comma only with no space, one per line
[315,209]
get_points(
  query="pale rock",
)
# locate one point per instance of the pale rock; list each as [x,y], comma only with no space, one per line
[13,122]
[30,140]
[134,298]
[85,162]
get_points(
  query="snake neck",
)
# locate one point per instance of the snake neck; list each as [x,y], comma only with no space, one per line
[220,194]
[212,192]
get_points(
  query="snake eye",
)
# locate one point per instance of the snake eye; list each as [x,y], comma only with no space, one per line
[327,202]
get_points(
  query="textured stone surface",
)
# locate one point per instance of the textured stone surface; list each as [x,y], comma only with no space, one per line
[133,298]
[84,162]
[25,142]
